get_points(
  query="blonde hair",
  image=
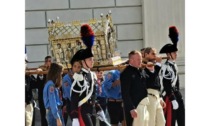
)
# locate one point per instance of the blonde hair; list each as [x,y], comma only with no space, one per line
[133,52]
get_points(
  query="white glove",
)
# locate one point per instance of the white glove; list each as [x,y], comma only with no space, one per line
[75,122]
[175,104]
[101,115]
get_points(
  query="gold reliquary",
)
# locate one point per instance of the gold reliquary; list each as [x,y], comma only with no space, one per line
[65,41]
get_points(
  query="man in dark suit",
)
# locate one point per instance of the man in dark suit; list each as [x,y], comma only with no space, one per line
[134,92]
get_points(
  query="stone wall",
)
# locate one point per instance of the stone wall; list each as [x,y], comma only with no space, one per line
[138,23]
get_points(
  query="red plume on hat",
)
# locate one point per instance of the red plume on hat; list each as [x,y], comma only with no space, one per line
[173,35]
[87,35]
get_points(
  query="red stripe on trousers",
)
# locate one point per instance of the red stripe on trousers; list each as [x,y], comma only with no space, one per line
[81,122]
[168,111]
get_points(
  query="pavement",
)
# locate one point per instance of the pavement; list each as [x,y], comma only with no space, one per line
[38,119]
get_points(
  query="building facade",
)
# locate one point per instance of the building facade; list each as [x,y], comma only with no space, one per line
[138,24]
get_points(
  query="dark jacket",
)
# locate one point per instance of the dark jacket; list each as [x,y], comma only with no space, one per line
[153,80]
[133,87]
[172,91]
[30,83]
[76,97]
[41,80]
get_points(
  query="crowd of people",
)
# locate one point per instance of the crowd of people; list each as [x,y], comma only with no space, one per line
[139,95]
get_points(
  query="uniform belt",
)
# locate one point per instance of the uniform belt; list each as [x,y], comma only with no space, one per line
[153,92]
[114,100]
[152,95]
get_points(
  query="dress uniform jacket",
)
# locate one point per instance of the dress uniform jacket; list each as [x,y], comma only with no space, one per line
[170,81]
[83,97]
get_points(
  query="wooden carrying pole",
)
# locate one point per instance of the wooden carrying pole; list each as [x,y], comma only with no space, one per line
[99,68]
[119,67]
